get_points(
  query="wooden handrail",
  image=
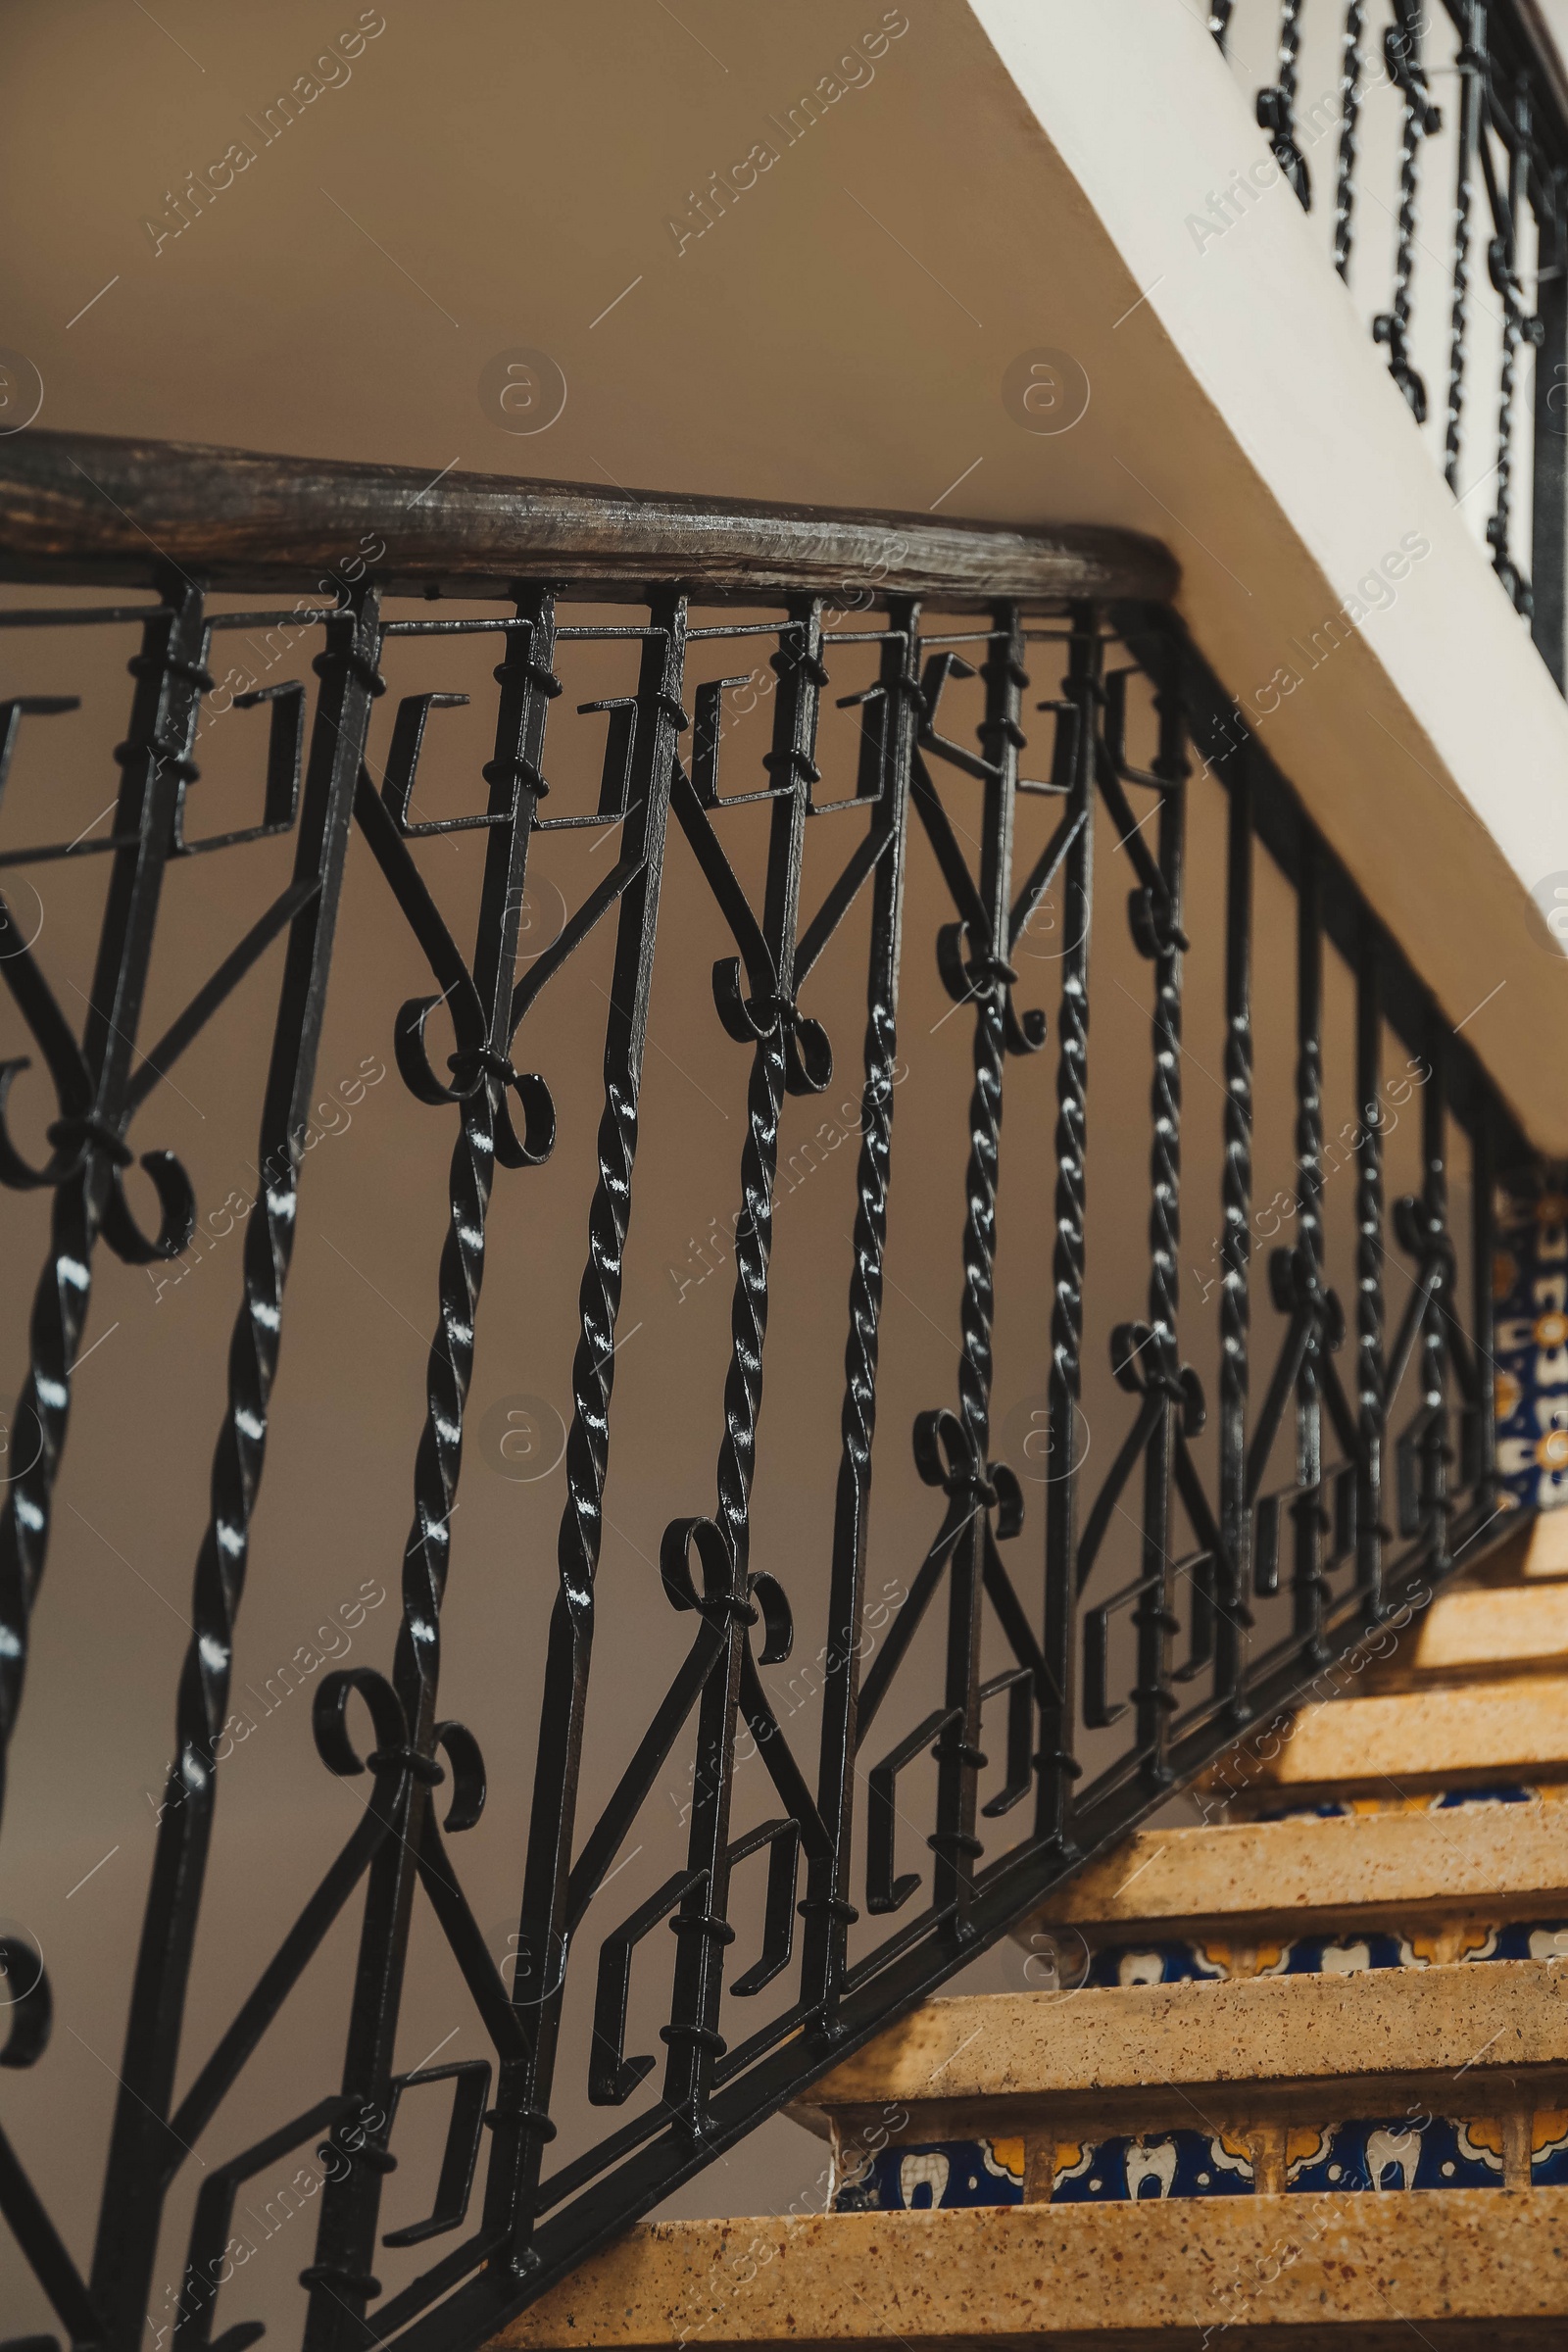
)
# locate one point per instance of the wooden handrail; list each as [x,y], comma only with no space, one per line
[80,507]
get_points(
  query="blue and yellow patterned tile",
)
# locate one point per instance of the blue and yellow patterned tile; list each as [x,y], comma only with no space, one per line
[943,2172]
[1529,1292]
[1164,1963]
[1508,1792]
[1384,2152]
[1339,1955]
[1548,2149]
[1520,1939]
[1165,2164]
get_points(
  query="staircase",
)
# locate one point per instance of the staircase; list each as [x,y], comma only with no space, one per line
[1296,2077]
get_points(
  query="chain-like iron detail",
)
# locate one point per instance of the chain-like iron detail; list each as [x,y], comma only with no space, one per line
[1402,56]
[1508,101]
[1470,66]
[1518,327]
[1276,107]
[1349,114]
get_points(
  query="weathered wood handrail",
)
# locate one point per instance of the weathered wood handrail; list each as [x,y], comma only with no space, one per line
[88,508]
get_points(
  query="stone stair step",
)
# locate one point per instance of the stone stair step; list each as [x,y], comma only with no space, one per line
[1476,1627]
[998,2051]
[1335,2273]
[1512,1732]
[1445,2079]
[1256,1881]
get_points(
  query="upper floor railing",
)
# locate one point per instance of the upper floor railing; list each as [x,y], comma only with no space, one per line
[1429,140]
[940,785]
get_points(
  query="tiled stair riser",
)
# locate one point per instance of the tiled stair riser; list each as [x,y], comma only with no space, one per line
[1208,1960]
[1529,1288]
[1424,1800]
[1414,2150]
[1362,2153]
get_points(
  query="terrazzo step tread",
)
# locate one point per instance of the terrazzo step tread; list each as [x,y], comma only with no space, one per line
[1507,2015]
[1502,1729]
[1475,1625]
[1470,2268]
[1306,1874]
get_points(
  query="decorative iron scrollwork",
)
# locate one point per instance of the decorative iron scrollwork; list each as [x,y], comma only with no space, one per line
[1119,1604]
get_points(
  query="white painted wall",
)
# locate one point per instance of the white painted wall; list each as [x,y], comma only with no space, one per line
[1434,747]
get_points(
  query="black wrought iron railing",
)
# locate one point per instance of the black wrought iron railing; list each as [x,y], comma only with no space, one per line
[949,772]
[1430,140]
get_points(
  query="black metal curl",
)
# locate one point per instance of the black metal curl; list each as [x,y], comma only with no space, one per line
[468,1780]
[476,1067]
[31,2012]
[970,975]
[946,1455]
[717,1598]
[16,1172]
[807,1050]
[74,1138]
[330,1729]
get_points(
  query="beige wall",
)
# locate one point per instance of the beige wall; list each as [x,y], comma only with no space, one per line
[1007,180]
[1000,180]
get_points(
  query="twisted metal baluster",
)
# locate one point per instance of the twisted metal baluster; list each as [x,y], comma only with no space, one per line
[1483,1449]
[524,2126]
[1001,737]
[1154,1617]
[152,761]
[1306,1510]
[1470,66]
[692,2035]
[1084,696]
[954,1840]
[1437,1502]
[340,2277]
[1548,500]
[141,2162]
[1276,107]
[826,1908]
[1517,329]
[1350,113]
[1402,48]
[1370,1365]
[976,1303]
[801,677]
[754,1241]
[1236,1200]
